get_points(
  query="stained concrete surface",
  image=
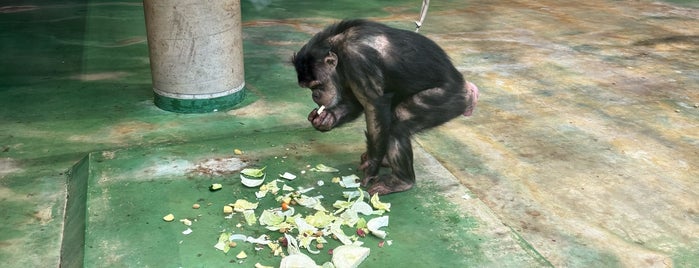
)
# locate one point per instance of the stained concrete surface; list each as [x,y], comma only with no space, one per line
[585,143]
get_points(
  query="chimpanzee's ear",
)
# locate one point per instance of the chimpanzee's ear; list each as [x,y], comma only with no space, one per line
[331,59]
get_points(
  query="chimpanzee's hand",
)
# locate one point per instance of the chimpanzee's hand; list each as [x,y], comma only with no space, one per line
[324,121]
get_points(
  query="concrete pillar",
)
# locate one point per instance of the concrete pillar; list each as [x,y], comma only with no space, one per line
[196,54]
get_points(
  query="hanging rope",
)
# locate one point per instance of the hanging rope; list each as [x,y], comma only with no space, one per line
[423,14]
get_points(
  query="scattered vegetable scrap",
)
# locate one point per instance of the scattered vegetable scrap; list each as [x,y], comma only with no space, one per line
[351,181]
[252,177]
[250,217]
[377,204]
[223,244]
[269,187]
[215,187]
[310,231]
[253,172]
[313,230]
[349,256]
[374,224]
[241,205]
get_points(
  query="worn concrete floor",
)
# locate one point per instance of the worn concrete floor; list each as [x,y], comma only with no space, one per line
[583,152]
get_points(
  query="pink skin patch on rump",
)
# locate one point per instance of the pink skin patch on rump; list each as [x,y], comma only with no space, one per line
[473,98]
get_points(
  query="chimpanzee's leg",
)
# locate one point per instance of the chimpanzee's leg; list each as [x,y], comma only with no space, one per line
[424,110]
[378,122]
[399,157]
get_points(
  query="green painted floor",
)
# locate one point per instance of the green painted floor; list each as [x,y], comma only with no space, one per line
[583,151]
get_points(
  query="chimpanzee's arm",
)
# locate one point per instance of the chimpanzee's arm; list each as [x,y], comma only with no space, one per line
[347,110]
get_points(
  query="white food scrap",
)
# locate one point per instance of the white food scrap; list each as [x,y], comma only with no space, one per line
[351,181]
[240,237]
[287,176]
[374,224]
[321,109]
[252,181]
[271,218]
[295,258]
[262,240]
[349,256]
[258,265]
[310,202]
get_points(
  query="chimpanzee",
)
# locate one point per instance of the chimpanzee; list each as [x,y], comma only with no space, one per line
[401,80]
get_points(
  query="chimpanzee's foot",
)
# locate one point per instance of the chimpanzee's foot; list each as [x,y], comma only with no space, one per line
[386,184]
[472,94]
[368,181]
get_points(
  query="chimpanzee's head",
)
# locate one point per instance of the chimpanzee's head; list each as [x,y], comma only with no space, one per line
[315,68]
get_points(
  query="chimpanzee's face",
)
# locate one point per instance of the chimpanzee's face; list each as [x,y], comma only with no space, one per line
[317,73]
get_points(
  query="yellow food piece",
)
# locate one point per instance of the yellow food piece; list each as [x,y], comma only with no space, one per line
[241,255]
[227,209]
[377,204]
[169,217]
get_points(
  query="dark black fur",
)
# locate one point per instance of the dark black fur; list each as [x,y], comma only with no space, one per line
[403,82]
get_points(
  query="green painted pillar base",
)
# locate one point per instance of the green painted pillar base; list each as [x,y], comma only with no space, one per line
[189,106]
[196,54]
